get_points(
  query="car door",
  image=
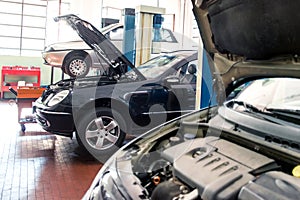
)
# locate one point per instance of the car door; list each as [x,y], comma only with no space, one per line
[182,92]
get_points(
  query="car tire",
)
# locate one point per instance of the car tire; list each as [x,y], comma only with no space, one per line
[77,65]
[103,135]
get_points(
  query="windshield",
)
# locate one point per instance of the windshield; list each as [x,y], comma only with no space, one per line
[156,66]
[283,93]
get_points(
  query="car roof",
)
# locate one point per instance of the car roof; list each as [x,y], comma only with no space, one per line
[110,27]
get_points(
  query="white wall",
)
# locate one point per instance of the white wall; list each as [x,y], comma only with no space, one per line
[91,11]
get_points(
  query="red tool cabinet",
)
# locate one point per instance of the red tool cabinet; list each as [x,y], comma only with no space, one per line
[11,75]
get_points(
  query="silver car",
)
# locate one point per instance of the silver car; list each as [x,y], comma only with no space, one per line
[75,58]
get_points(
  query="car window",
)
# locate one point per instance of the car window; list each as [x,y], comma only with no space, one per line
[184,74]
[156,66]
[117,34]
[167,36]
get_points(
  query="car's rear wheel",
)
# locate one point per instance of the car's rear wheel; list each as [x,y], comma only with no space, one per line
[77,65]
[101,133]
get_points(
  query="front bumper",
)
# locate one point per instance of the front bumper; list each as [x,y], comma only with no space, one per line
[54,58]
[60,123]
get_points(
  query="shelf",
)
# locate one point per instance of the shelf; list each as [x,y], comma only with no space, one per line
[14,76]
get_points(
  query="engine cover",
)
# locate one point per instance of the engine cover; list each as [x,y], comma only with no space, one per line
[216,167]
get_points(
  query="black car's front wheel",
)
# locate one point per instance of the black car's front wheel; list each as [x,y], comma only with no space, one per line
[101,133]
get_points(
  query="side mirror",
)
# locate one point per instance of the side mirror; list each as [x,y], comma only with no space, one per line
[171,80]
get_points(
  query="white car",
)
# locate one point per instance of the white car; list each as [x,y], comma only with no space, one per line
[75,58]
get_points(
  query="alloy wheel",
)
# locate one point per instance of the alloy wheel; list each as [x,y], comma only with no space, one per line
[78,67]
[102,133]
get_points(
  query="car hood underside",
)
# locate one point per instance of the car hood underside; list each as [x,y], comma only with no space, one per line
[243,46]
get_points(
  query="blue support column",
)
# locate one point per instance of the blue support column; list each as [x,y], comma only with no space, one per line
[129,34]
[157,24]
[208,96]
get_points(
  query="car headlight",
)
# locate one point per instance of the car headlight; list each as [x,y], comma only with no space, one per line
[106,189]
[59,97]
[104,185]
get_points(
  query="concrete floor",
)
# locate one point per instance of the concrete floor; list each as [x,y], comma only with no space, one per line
[40,165]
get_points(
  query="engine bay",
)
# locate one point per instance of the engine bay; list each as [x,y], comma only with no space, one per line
[212,168]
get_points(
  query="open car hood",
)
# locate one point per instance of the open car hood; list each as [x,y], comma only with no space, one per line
[99,43]
[245,40]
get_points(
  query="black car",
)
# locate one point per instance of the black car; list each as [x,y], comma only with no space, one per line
[246,148]
[102,110]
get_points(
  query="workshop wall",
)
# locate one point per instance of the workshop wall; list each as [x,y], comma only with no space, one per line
[92,12]
[31,61]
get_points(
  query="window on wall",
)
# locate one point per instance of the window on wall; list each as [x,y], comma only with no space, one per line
[22,27]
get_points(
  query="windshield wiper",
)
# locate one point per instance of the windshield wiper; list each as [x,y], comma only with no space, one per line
[249,107]
[284,111]
[290,115]
[268,114]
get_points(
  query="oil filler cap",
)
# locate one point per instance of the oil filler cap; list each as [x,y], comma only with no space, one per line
[296,171]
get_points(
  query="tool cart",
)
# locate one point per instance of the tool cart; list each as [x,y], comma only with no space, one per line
[25,97]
